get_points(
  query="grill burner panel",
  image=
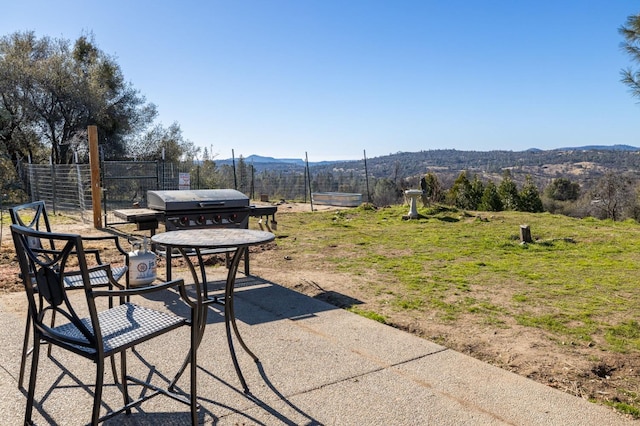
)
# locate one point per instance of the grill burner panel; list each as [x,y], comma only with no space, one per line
[227,218]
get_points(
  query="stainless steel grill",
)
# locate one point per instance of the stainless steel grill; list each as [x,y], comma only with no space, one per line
[203,208]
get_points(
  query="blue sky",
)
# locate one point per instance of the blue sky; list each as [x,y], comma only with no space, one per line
[333,78]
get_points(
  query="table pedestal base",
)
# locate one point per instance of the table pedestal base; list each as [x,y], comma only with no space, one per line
[229,312]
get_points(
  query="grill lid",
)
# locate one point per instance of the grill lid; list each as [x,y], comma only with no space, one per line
[198,199]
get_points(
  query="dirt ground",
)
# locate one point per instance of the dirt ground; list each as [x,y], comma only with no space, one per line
[573,367]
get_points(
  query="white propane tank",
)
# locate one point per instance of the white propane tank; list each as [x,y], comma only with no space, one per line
[142,265]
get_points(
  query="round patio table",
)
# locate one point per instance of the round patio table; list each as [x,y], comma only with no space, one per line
[197,241]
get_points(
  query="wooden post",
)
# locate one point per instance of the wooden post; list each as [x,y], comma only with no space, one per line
[94,163]
[525,234]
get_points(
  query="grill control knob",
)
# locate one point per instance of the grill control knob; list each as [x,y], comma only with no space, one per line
[201,220]
[233,217]
[184,220]
[217,218]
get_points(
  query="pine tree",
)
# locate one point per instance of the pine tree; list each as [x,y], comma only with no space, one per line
[491,200]
[562,189]
[530,197]
[477,190]
[508,191]
[431,188]
[461,192]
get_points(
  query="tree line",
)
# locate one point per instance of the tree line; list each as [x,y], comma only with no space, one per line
[52,89]
[613,196]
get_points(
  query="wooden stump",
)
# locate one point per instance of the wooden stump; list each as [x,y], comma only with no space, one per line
[525,234]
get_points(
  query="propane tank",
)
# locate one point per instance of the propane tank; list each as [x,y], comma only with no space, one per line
[142,265]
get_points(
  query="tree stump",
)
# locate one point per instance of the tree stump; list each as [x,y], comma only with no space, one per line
[525,234]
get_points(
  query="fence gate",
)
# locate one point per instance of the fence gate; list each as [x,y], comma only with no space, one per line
[125,185]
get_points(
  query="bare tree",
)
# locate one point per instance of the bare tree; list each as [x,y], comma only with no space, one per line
[613,196]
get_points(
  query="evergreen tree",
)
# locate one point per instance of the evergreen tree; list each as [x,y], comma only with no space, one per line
[491,200]
[431,188]
[530,197]
[508,191]
[631,44]
[461,193]
[562,189]
[243,175]
[477,190]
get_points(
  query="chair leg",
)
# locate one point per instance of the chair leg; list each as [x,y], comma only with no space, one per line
[97,394]
[114,371]
[125,387]
[35,355]
[53,320]
[116,381]
[25,352]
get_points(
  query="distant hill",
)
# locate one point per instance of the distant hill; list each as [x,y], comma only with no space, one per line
[261,160]
[583,163]
[600,148]
[258,159]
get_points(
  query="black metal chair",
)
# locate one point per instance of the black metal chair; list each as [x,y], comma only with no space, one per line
[99,335]
[34,215]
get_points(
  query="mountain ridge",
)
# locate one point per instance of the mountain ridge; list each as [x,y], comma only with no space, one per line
[262,160]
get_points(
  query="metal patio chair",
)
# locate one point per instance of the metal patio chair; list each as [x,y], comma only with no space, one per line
[99,335]
[34,215]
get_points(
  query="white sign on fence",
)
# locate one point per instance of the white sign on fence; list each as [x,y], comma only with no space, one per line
[184,181]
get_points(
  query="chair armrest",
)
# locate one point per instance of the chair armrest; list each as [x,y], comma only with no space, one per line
[104,266]
[116,241]
[96,252]
[148,289]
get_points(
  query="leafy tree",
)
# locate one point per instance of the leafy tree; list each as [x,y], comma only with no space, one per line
[562,189]
[491,200]
[159,138]
[529,197]
[50,91]
[508,191]
[17,136]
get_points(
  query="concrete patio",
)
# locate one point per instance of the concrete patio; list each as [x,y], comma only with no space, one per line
[318,365]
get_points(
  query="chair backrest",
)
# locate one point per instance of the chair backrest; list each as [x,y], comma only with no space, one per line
[42,272]
[31,215]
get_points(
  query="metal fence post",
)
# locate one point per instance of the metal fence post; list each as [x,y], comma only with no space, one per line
[53,183]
